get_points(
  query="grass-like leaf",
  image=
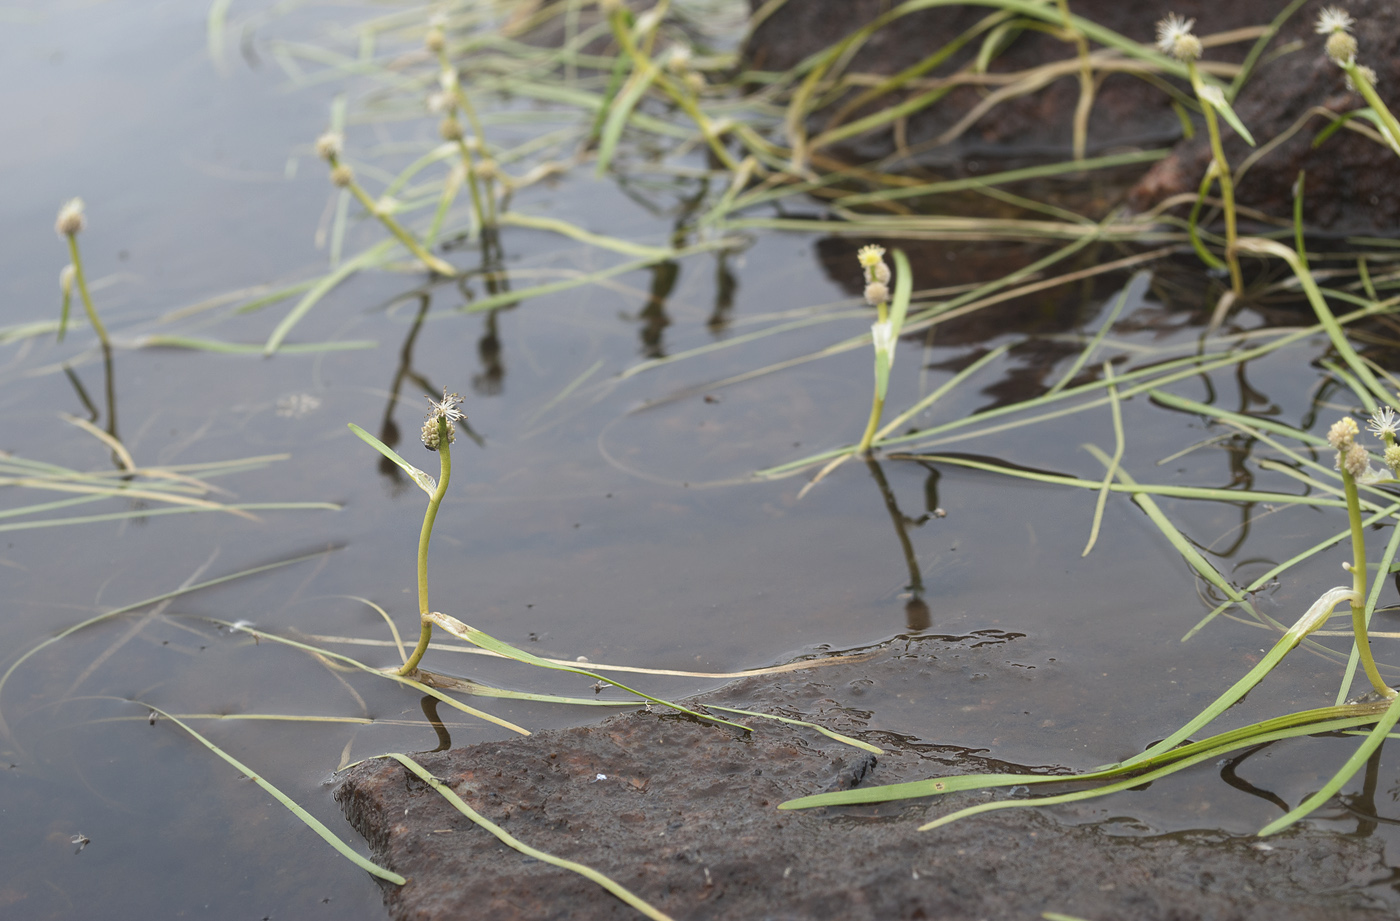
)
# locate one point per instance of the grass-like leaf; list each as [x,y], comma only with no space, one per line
[315,824]
[511,841]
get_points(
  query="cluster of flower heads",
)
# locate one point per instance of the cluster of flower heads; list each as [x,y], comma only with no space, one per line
[877,274]
[328,148]
[1341,46]
[443,411]
[1353,458]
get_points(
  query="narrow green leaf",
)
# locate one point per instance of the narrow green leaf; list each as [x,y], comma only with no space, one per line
[425,482]
[1353,764]
[310,820]
[511,841]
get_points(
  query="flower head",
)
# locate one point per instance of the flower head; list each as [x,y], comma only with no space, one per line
[1392,459]
[445,411]
[1333,20]
[877,293]
[1384,422]
[70,218]
[870,256]
[1341,48]
[1174,38]
[1356,461]
[1342,433]
[328,145]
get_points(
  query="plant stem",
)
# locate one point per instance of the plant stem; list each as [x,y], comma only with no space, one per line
[1358,582]
[1368,92]
[424,537]
[403,236]
[877,407]
[877,403]
[1222,175]
[81,280]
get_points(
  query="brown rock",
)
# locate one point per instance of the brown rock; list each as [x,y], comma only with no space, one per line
[683,813]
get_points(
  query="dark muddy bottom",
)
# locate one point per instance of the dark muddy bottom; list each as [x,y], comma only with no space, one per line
[684,814]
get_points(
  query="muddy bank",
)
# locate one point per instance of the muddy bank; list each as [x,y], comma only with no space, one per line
[683,813]
[1292,95]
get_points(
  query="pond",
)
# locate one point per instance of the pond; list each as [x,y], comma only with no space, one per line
[628,361]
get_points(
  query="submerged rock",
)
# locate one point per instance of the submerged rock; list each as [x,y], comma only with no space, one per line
[684,814]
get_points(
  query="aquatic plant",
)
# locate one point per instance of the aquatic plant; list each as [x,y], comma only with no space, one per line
[328,148]
[884,334]
[1174,37]
[1341,47]
[71,221]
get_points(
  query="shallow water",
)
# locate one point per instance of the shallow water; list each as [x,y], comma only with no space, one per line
[605,516]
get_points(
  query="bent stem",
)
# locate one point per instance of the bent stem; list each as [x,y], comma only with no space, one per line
[877,408]
[394,227]
[1358,582]
[1227,182]
[424,537]
[81,279]
[1368,92]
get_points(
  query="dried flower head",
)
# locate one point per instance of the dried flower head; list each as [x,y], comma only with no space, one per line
[329,145]
[678,59]
[1174,38]
[442,414]
[1343,433]
[450,129]
[70,218]
[439,103]
[1333,20]
[1384,422]
[435,40]
[1341,48]
[342,175]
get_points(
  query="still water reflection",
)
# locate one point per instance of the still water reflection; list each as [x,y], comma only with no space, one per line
[593,514]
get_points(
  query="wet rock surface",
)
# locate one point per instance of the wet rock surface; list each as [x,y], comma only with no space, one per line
[683,813]
[1353,182]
